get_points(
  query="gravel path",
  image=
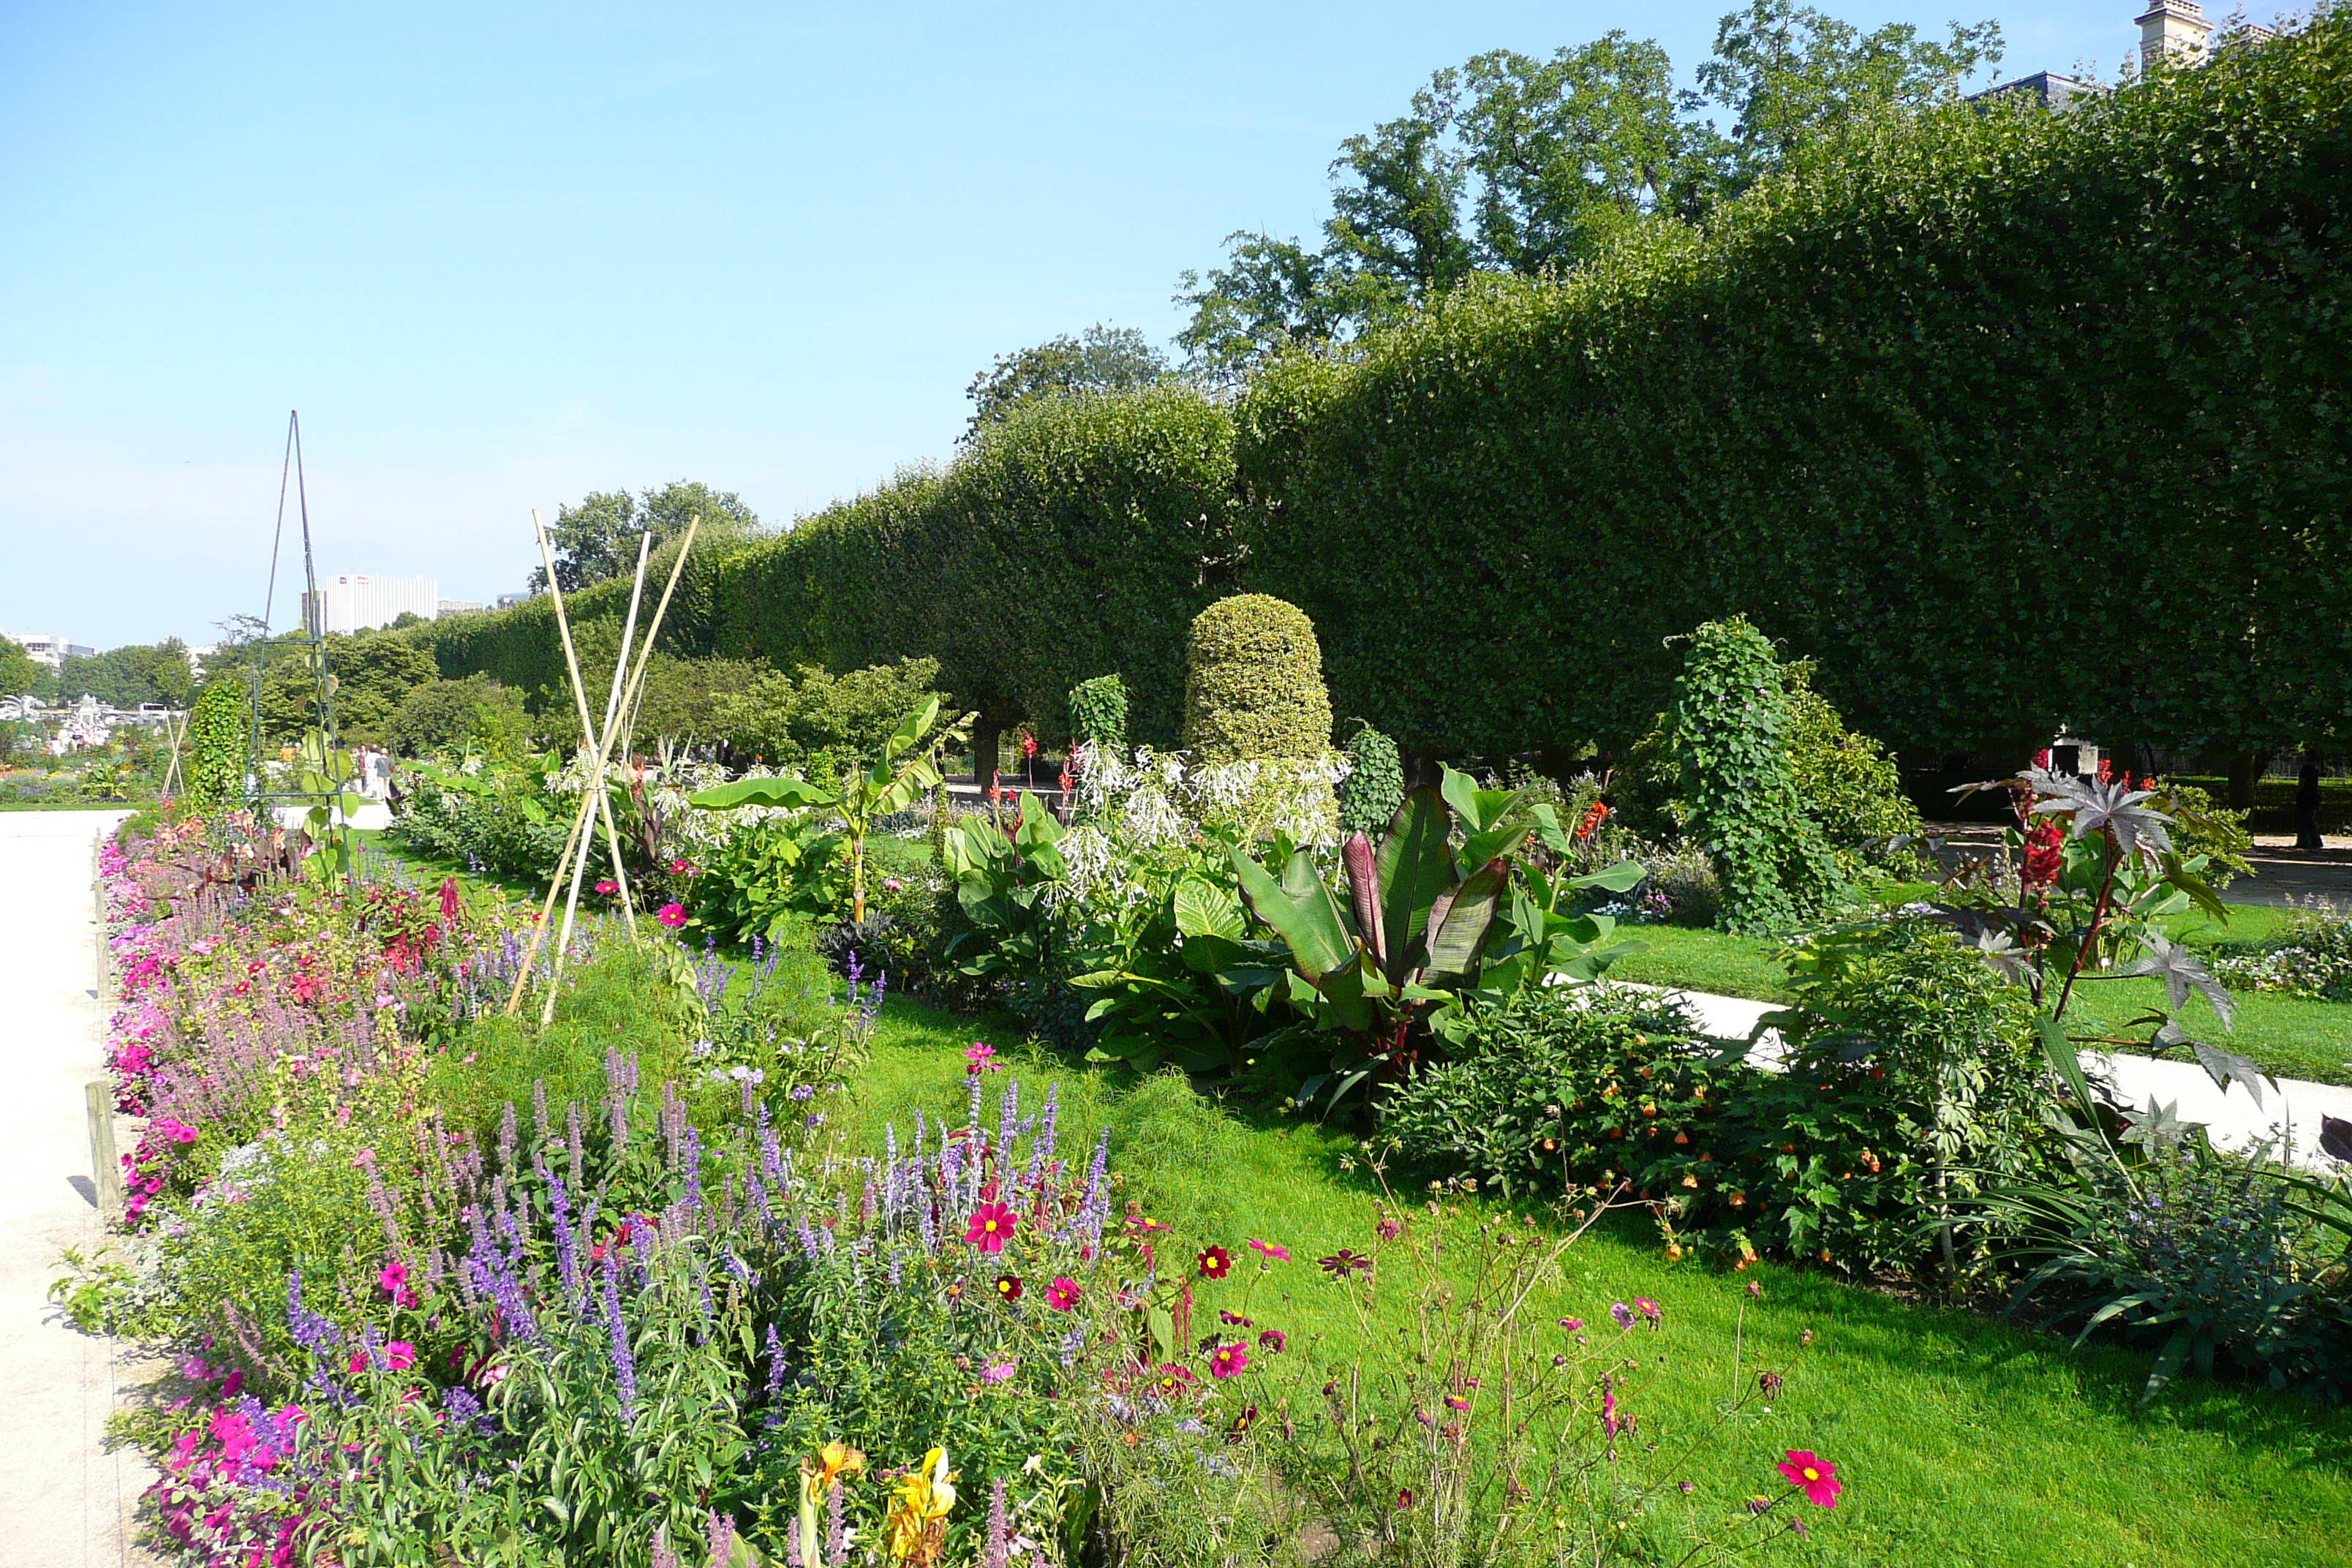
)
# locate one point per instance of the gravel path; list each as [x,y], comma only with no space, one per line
[65,1502]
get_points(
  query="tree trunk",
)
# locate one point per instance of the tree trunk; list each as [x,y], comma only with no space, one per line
[986,735]
[2243,770]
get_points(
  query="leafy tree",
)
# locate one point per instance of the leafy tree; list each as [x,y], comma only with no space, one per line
[1789,71]
[447,715]
[597,539]
[1100,359]
[1513,165]
[833,723]
[374,673]
[126,677]
[20,672]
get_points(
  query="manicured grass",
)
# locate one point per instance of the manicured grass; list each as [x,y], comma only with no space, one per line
[1964,1440]
[2290,1038]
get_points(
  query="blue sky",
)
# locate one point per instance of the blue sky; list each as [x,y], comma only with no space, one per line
[500,255]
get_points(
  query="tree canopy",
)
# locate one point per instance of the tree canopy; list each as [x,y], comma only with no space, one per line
[597,539]
[1100,359]
[1512,164]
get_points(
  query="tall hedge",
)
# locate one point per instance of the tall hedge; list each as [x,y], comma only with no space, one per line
[2010,419]
[1080,535]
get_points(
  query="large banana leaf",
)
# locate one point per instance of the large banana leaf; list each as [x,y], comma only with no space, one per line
[762,791]
[1301,911]
[1415,869]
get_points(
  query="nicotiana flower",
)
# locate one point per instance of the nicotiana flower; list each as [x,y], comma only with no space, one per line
[1813,1476]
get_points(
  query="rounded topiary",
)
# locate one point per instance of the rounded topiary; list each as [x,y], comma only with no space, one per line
[1253,685]
[1375,787]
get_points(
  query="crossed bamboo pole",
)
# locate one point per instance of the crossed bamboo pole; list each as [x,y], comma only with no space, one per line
[581,842]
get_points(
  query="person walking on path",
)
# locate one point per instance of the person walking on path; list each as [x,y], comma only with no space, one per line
[2306,803]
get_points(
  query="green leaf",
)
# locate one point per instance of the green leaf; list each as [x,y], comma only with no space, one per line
[1203,909]
[1621,878]
[1415,868]
[1308,918]
[774,792]
[1455,945]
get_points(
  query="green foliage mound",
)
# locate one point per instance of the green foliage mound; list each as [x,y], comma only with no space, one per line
[219,735]
[1098,712]
[1255,688]
[1729,735]
[1375,787]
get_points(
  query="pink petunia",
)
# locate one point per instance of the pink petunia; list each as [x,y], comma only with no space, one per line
[400,1355]
[1813,1476]
[992,1226]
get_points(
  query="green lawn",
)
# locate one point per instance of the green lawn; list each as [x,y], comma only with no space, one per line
[2288,1037]
[1965,1441]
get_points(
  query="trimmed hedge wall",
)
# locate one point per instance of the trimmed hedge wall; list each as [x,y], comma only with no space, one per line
[2009,418]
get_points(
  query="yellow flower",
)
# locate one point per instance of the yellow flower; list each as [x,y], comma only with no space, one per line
[834,1461]
[915,1530]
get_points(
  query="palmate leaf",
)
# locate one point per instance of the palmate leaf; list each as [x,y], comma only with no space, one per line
[2139,828]
[2182,972]
[2224,1067]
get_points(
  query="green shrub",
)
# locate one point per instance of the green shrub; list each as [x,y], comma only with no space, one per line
[1255,683]
[220,736]
[1848,782]
[1375,787]
[1098,712]
[2202,826]
[475,714]
[1729,733]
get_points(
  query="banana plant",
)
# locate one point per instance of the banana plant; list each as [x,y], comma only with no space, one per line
[1425,926]
[1001,881]
[889,786]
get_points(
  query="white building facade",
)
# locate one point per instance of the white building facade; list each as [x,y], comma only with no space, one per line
[356,603]
[48,649]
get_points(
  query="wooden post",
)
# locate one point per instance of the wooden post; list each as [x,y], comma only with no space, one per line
[105,1170]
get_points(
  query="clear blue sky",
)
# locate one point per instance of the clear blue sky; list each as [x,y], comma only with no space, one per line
[499,257]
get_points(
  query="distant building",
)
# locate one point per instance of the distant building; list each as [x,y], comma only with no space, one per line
[2048,89]
[458,606]
[50,649]
[509,601]
[353,603]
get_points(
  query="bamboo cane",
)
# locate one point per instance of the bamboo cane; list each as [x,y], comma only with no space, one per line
[576,846]
[636,693]
[595,782]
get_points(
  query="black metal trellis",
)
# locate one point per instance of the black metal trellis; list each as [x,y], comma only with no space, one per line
[314,639]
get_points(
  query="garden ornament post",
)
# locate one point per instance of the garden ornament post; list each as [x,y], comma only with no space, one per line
[600,740]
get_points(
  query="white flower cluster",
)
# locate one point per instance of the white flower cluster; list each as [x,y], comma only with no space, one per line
[1127,804]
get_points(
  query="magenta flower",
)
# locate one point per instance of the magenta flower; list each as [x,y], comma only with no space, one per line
[1572,1324]
[1813,1476]
[608,886]
[1390,1228]
[992,1226]
[997,1370]
[672,915]
[1344,1262]
[980,1057]
[400,1355]
[1227,1361]
[1273,1341]
[1649,1310]
[1268,1250]
[1216,1263]
[1623,1314]
[1062,1295]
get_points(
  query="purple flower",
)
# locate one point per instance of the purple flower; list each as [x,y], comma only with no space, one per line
[1623,1314]
[624,1364]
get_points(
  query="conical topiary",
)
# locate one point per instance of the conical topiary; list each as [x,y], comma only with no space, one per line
[1254,687]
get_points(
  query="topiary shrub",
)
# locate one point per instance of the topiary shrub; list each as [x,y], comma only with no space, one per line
[1253,688]
[1849,783]
[218,735]
[1375,787]
[1729,735]
[1098,712]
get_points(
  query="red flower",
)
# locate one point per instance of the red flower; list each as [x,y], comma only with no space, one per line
[1344,1262]
[1062,1295]
[1594,816]
[1171,1381]
[992,1226]
[1228,1360]
[1813,1476]
[671,915]
[1009,1287]
[1028,744]
[680,868]
[1273,1341]
[1216,1263]
[2044,854]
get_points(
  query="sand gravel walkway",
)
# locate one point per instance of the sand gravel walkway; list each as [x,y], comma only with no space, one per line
[65,1502]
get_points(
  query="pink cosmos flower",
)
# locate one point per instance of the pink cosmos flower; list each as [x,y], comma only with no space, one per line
[992,1226]
[1062,1295]
[997,1371]
[1268,1250]
[1273,1341]
[671,915]
[980,1057]
[1813,1476]
[1648,1309]
[1228,1360]
[1390,1229]
[608,886]
[1623,1314]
